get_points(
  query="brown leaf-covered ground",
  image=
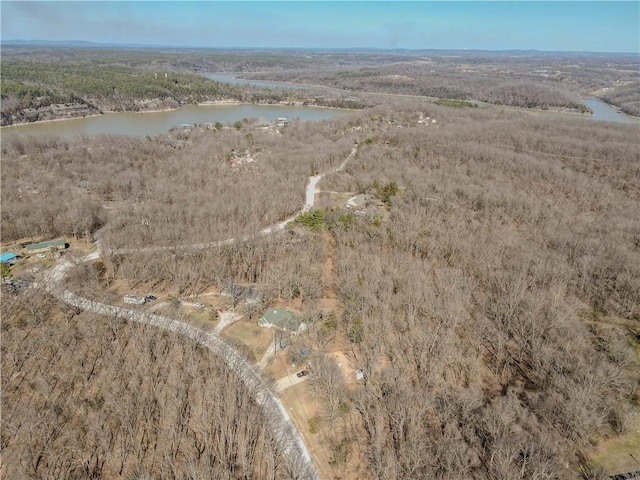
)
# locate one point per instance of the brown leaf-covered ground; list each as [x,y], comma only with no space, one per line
[490,291]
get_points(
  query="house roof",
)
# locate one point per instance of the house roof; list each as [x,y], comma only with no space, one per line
[359,200]
[47,244]
[6,256]
[282,318]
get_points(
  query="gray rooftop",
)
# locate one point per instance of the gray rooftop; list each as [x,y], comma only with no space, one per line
[281,318]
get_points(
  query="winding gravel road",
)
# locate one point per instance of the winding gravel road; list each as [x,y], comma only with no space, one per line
[309,203]
[295,451]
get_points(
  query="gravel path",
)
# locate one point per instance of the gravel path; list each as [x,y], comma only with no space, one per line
[295,450]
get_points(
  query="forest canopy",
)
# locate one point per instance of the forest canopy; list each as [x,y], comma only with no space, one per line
[518,230]
[485,284]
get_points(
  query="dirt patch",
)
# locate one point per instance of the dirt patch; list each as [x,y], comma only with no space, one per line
[322,440]
[328,199]
[328,270]
[301,406]
[334,448]
[279,367]
[347,364]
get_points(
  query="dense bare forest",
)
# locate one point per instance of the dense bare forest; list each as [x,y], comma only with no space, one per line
[492,309]
[490,292]
[157,194]
[457,84]
[523,79]
[90,397]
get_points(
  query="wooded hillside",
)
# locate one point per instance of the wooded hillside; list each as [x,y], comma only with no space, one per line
[489,291]
[495,310]
[627,97]
[91,397]
[43,83]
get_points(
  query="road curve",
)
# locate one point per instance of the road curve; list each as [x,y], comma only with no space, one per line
[309,203]
[295,451]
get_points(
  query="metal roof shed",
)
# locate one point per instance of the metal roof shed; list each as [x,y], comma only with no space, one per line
[48,246]
[8,258]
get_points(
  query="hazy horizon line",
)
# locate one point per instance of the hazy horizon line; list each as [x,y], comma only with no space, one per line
[80,43]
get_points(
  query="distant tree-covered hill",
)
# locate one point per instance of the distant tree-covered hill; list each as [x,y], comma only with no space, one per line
[626,97]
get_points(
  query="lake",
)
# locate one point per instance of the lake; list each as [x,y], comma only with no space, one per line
[602,111]
[154,123]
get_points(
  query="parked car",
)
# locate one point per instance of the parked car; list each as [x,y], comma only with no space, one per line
[150,298]
[41,255]
[302,373]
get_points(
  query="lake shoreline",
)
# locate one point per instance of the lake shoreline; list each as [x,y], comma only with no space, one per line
[214,103]
[162,121]
[615,107]
[51,120]
[107,112]
[190,116]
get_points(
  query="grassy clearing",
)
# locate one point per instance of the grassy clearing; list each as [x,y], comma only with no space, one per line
[258,339]
[617,454]
[447,102]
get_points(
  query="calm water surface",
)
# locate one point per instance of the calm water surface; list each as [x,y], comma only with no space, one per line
[154,123]
[602,111]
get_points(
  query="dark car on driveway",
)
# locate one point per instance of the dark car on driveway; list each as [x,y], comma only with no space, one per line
[150,298]
[302,373]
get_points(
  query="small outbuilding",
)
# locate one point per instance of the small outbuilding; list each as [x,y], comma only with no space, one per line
[48,246]
[359,201]
[8,258]
[283,319]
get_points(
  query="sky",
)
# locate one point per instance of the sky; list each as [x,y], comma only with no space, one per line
[593,26]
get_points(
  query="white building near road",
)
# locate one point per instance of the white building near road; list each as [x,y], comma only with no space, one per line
[133,300]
